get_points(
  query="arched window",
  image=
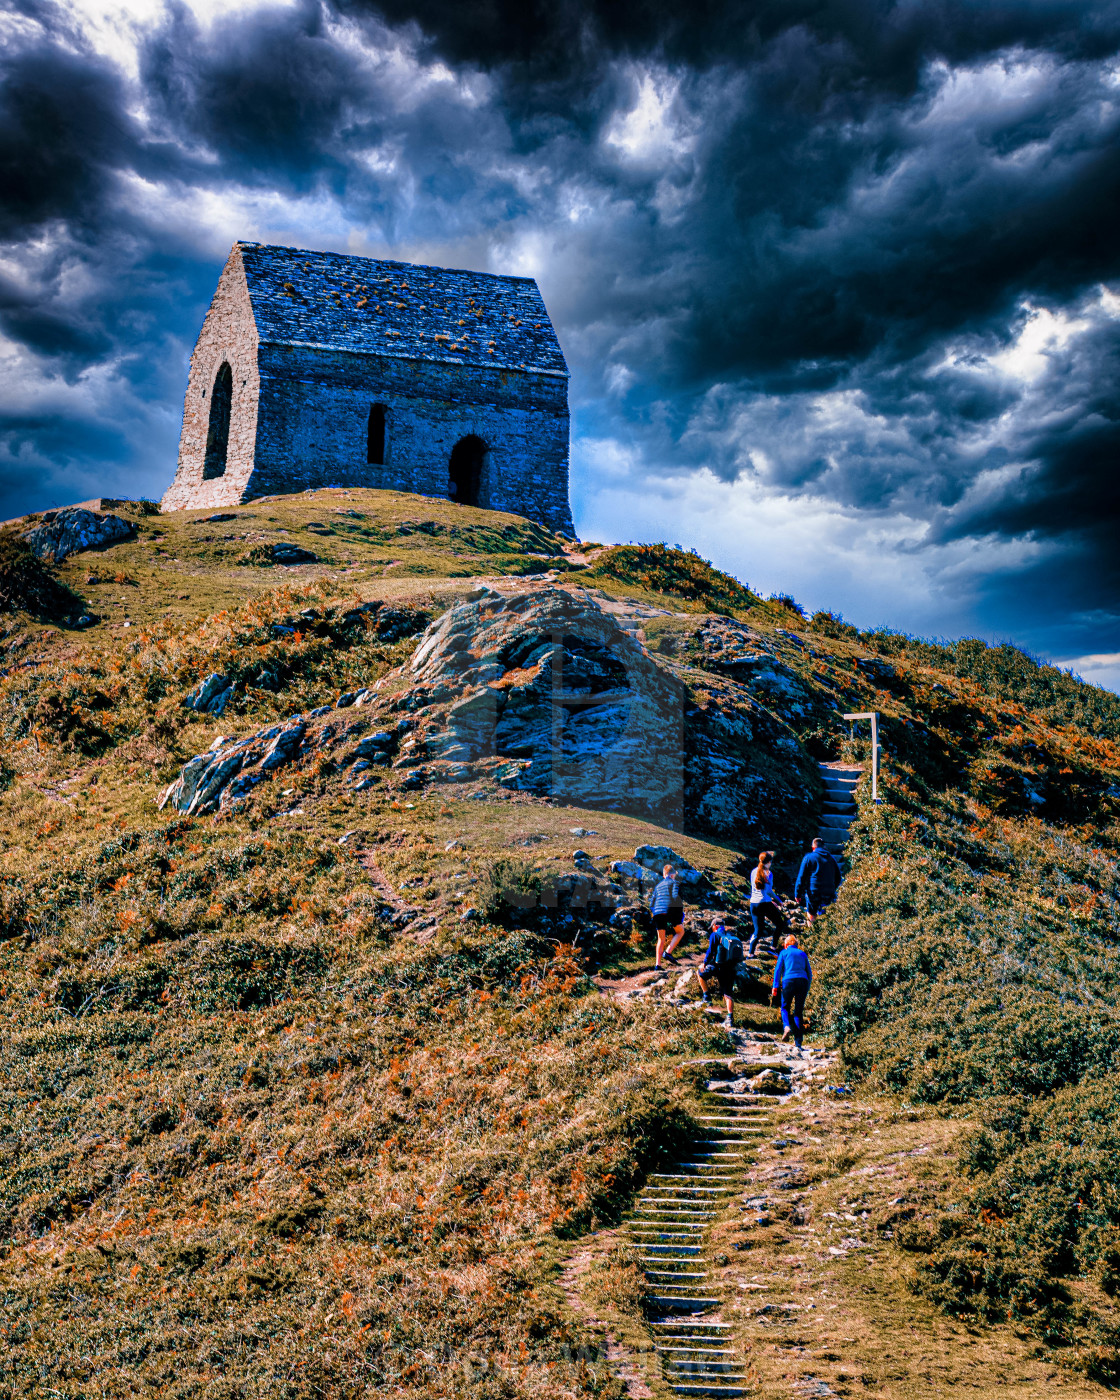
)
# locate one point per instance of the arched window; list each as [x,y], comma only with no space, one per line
[464,473]
[375,436]
[217,434]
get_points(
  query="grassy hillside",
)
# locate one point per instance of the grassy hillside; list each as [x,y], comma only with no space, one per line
[278,1117]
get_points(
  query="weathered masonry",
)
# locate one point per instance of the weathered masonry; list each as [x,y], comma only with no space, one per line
[319,369]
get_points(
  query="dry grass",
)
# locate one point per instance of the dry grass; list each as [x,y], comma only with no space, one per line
[273,1121]
[851,1319]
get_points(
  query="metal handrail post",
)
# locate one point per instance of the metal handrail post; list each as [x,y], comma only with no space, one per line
[873,716]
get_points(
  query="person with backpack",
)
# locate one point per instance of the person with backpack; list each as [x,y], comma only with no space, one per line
[818,880]
[764,907]
[792,978]
[721,962]
[666,910]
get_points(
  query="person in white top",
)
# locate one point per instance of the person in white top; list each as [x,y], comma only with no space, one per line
[764,907]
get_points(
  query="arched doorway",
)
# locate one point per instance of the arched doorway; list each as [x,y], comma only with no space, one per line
[464,474]
[217,434]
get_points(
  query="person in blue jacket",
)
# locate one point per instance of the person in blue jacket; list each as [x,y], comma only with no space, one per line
[792,976]
[817,880]
[720,966]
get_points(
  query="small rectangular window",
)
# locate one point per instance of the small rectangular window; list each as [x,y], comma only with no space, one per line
[375,436]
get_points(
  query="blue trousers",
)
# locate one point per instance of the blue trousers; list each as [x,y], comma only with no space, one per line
[794,992]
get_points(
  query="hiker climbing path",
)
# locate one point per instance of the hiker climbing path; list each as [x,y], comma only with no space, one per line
[671,1221]
[839,804]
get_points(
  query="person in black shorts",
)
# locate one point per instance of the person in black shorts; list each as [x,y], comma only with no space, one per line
[666,910]
[720,967]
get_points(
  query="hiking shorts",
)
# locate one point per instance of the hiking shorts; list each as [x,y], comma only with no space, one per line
[724,973]
[668,922]
[818,903]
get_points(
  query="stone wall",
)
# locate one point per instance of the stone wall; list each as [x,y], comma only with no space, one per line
[300,414]
[229,333]
[314,411]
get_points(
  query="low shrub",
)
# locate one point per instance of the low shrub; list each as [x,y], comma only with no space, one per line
[28,584]
[508,884]
[659,569]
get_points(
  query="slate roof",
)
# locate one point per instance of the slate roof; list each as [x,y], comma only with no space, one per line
[401,309]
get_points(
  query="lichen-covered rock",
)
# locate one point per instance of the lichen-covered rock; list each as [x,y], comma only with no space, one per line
[71,530]
[229,771]
[770,1082]
[210,696]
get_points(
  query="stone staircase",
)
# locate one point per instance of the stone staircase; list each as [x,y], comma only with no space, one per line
[839,805]
[669,1225]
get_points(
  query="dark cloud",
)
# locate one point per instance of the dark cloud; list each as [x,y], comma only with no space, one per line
[63,135]
[793,243]
[874,44]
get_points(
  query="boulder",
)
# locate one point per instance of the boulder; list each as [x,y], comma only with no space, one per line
[70,531]
[285,553]
[654,859]
[210,696]
[545,678]
[376,745]
[770,1082]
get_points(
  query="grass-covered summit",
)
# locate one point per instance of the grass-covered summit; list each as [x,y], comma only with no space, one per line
[294,1102]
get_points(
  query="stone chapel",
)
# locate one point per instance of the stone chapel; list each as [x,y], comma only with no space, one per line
[321,369]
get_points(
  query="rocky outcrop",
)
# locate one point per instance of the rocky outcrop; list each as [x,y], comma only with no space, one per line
[72,530]
[547,681]
[732,649]
[232,768]
[542,692]
[289,554]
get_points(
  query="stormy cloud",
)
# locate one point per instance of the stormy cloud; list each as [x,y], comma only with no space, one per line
[838,283]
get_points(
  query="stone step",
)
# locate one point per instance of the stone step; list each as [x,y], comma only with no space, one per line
[672,1251]
[662,1208]
[692,1351]
[695,1191]
[718,1326]
[732,1370]
[735,1118]
[673,1302]
[731,1134]
[687,1231]
[699,1388]
[699,1195]
[689,1197]
[718,1171]
[673,1275]
[740,1113]
[702,1173]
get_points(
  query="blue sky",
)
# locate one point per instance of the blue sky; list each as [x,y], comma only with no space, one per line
[838,284]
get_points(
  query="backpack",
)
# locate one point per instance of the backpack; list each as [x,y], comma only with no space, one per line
[730,950]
